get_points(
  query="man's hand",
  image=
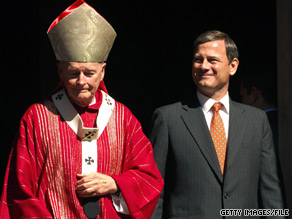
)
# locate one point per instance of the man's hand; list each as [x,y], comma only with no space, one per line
[95,184]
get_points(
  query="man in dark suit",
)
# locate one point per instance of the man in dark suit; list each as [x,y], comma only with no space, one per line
[262,94]
[202,176]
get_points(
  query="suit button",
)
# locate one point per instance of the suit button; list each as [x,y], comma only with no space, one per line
[226,196]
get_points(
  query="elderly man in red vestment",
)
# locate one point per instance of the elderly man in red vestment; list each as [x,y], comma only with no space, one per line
[80,153]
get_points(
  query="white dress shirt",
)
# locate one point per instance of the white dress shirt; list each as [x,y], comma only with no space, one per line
[207,103]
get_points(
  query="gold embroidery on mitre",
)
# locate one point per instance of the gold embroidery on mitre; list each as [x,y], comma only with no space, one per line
[82,36]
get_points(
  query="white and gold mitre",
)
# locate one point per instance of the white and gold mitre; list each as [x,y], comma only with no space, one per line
[80,34]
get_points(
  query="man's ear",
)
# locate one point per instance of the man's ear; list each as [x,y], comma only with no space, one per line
[103,71]
[233,66]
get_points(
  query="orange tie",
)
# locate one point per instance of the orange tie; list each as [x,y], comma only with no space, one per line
[218,135]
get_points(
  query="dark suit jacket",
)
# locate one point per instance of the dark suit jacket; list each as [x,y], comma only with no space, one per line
[185,155]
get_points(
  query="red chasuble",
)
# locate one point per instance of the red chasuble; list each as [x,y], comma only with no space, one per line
[41,173]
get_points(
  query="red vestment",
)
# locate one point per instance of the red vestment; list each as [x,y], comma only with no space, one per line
[41,173]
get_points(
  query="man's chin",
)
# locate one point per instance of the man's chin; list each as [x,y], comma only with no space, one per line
[204,85]
[205,88]
[82,100]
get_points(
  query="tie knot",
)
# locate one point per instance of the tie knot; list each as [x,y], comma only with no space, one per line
[216,107]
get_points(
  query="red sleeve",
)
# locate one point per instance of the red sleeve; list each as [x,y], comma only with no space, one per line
[140,181]
[20,198]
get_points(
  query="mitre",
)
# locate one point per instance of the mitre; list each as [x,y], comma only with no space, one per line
[80,34]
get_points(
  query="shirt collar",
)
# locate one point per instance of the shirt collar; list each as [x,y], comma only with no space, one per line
[207,102]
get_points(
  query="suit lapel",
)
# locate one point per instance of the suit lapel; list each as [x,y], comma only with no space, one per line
[195,122]
[236,132]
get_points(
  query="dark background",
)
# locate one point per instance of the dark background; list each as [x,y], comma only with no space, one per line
[150,62]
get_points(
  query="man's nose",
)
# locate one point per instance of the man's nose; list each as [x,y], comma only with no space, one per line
[81,80]
[205,64]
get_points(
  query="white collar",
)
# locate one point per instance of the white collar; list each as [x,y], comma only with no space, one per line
[74,120]
[207,102]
